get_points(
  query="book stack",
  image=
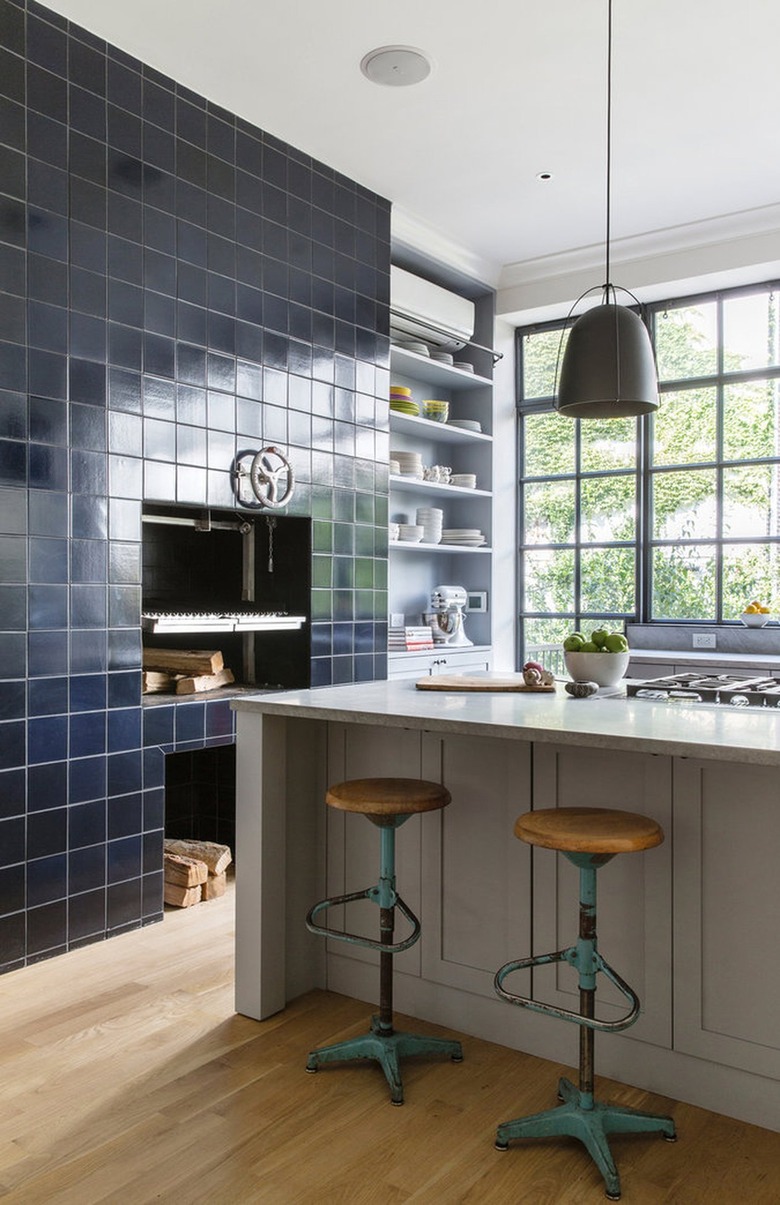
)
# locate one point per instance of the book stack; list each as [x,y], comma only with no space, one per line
[409,639]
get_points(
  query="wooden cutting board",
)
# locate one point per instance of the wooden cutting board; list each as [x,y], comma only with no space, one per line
[481,682]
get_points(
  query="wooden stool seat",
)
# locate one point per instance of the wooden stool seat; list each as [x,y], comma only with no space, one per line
[589,830]
[387,796]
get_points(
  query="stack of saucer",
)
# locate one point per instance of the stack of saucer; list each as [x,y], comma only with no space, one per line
[410,533]
[466,424]
[430,519]
[465,480]
[409,463]
[401,400]
[415,345]
[464,537]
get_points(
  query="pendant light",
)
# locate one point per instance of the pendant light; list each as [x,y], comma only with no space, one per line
[608,368]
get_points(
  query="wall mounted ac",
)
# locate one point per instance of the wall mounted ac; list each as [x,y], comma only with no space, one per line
[421,310]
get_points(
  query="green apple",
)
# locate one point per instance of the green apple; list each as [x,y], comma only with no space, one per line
[574,643]
[616,643]
[599,637]
[589,647]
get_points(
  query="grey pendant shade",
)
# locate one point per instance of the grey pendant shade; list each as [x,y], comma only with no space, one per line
[608,368]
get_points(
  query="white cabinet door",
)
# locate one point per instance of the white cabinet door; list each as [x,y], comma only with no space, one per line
[475,874]
[442,661]
[370,751]
[727,913]
[634,890]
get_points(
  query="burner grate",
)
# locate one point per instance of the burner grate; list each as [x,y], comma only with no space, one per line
[736,690]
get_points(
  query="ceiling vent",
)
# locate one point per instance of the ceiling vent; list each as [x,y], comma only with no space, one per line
[425,311]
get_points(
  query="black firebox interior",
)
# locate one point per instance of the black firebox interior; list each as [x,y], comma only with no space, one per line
[222,561]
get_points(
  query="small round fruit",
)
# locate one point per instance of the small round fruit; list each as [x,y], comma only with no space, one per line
[574,643]
[616,643]
[599,637]
[589,647]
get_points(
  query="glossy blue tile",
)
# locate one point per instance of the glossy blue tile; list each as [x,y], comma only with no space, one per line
[13,793]
[86,914]
[158,725]
[47,786]
[47,832]
[46,880]
[124,904]
[87,867]
[47,928]
[124,816]
[190,722]
[124,729]
[88,692]
[124,859]
[12,892]
[48,696]
[87,779]
[47,654]
[88,247]
[124,773]
[87,734]
[88,606]
[47,739]
[88,652]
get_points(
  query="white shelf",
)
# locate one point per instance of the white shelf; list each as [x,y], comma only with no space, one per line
[413,484]
[441,432]
[411,546]
[433,372]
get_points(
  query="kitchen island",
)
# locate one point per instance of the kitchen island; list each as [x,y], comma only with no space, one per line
[688,924]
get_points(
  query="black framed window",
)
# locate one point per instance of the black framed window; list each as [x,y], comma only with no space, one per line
[674,517]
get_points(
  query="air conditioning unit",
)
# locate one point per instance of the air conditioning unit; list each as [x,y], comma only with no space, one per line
[425,311]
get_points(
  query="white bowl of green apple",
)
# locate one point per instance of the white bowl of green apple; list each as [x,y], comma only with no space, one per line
[601,657]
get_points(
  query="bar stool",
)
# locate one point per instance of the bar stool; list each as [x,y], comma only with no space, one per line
[589,837]
[388,803]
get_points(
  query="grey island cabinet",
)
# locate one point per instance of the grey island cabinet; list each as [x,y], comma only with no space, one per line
[692,925]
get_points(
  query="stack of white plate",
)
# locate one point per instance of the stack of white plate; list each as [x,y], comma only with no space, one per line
[392,531]
[464,365]
[444,357]
[430,519]
[422,349]
[464,537]
[410,533]
[465,480]
[409,463]
[465,424]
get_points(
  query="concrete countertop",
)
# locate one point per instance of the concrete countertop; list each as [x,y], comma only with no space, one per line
[751,735]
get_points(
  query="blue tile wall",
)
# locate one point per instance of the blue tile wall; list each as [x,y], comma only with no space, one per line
[178,286]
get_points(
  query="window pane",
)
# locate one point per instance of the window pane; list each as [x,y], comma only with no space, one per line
[750,571]
[541,352]
[543,641]
[549,445]
[607,443]
[686,342]
[751,420]
[608,509]
[750,332]
[750,501]
[549,580]
[607,580]
[683,583]
[684,505]
[684,428]
[549,512]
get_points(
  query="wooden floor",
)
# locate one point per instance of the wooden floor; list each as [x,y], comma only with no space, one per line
[126,1077]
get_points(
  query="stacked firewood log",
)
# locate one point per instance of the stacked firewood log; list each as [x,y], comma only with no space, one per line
[194,871]
[184,671]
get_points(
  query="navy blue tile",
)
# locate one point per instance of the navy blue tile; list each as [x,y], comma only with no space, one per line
[87,780]
[124,859]
[86,914]
[153,821]
[152,895]
[124,729]
[88,692]
[47,653]
[87,868]
[48,696]
[13,931]
[190,722]
[12,841]
[88,561]
[124,817]
[124,649]
[13,416]
[124,904]
[47,832]
[48,606]
[89,518]
[87,735]
[124,773]
[158,725]
[47,739]
[48,467]
[12,744]
[13,701]
[153,767]
[13,608]
[88,652]
[47,927]
[46,880]
[12,892]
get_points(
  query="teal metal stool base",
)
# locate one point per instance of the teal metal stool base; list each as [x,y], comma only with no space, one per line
[589,1121]
[387,1048]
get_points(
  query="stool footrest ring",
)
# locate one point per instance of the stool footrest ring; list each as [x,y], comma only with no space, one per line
[356,939]
[566,1014]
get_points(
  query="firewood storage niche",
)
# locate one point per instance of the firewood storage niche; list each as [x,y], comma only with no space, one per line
[229,581]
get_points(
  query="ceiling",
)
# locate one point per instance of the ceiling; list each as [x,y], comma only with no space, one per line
[517,88]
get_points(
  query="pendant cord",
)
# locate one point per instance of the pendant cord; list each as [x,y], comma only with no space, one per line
[609,141]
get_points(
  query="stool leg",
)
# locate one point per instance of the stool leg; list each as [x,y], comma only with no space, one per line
[580,1116]
[382,1043]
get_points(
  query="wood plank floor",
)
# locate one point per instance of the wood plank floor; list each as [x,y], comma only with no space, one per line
[126,1077]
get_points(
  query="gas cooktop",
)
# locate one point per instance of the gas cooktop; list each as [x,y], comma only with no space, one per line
[735,690]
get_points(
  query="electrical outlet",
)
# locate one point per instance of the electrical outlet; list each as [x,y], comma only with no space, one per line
[705,640]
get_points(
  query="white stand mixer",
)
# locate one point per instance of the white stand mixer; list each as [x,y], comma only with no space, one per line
[446,617]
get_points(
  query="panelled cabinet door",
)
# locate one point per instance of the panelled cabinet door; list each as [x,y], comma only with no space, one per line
[475,874]
[727,913]
[371,751]
[634,890]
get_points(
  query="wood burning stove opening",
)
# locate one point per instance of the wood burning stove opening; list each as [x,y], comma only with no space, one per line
[228,581]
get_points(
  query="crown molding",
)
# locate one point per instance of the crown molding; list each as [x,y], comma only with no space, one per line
[414,236]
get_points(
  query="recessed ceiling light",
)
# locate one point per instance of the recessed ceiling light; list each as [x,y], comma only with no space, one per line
[544,176]
[396,66]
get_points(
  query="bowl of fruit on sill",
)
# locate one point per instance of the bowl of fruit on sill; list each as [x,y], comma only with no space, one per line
[755,615]
[601,658]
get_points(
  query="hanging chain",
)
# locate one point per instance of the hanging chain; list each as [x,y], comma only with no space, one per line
[271,524]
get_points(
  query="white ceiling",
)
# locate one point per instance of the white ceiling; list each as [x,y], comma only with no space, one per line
[518,87]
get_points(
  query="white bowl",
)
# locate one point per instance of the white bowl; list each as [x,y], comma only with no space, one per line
[605,669]
[752,619]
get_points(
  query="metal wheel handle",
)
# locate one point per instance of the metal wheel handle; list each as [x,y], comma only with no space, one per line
[271,477]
